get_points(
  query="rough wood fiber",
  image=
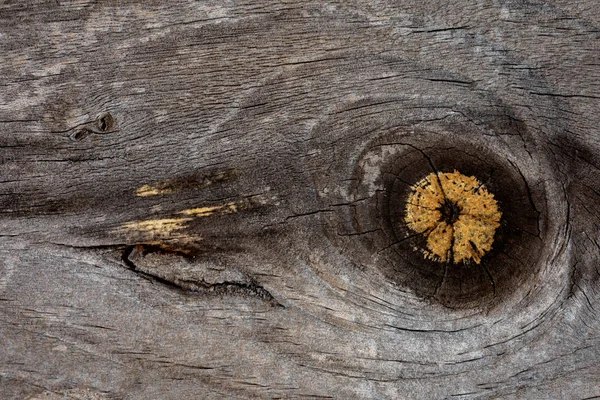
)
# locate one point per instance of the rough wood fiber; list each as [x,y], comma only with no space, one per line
[203,199]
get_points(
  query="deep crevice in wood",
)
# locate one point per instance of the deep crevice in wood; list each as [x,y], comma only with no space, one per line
[195,286]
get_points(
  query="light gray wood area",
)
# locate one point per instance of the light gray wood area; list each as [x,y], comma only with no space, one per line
[203,199]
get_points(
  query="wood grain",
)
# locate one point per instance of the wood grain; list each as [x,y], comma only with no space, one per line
[202,199]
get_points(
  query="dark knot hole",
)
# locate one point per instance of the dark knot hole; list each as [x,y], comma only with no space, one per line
[450,212]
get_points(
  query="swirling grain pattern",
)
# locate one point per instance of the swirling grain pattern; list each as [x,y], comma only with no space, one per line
[207,199]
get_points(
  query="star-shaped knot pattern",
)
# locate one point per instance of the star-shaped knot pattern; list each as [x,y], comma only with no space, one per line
[456,214]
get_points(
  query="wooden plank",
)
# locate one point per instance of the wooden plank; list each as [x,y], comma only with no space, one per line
[205,200]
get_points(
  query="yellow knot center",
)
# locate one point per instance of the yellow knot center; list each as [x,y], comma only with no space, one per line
[456,214]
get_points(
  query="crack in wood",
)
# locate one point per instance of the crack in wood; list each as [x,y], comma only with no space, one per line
[133,256]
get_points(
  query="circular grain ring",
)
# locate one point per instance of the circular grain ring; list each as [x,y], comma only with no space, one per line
[376,125]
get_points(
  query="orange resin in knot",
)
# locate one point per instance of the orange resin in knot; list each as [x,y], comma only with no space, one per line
[456,214]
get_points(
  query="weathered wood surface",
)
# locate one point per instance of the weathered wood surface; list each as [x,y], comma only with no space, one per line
[199,200]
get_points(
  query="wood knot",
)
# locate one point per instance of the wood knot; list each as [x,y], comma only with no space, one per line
[456,214]
[103,124]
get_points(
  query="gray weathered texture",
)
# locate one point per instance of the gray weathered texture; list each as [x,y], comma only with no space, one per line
[190,199]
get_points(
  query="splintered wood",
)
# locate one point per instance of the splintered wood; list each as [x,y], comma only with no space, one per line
[456,214]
